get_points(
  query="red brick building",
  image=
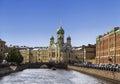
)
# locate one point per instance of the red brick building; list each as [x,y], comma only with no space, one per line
[108,47]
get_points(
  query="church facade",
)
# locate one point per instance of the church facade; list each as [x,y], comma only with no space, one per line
[60,51]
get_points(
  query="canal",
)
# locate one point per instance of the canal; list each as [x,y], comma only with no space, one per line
[48,76]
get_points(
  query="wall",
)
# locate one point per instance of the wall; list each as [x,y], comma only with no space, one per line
[101,73]
[108,47]
[7,70]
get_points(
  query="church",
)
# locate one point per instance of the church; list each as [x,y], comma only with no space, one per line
[57,52]
[60,51]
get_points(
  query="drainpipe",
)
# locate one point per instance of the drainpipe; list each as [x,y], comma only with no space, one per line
[115,51]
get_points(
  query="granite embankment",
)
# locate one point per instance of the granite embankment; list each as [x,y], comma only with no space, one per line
[10,69]
[101,73]
[4,70]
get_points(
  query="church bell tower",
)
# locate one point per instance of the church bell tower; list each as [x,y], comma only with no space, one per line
[60,36]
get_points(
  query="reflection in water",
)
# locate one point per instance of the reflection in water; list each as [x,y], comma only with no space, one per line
[48,76]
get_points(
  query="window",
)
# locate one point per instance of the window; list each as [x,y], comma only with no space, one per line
[53,54]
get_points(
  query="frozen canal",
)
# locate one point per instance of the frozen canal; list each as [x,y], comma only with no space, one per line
[48,76]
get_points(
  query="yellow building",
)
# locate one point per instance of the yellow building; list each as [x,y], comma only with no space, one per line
[43,55]
[33,55]
[40,54]
[26,55]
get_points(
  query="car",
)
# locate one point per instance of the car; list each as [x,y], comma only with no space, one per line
[4,62]
[118,68]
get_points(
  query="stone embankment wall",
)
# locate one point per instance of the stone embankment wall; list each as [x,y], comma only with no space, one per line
[8,70]
[102,73]
[5,71]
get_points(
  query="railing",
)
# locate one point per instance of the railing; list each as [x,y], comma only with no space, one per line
[108,67]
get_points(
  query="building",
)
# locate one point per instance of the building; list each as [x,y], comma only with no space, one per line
[33,55]
[60,51]
[39,54]
[84,53]
[89,53]
[26,53]
[43,55]
[108,47]
[78,54]
[56,52]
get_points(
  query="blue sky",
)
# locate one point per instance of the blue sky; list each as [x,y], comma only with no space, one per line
[33,22]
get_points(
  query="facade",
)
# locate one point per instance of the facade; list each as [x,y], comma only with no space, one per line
[108,47]
[33,55]
[78,54]
[84,53]
[60,51]
[89,53]
[39,55]
[26,55]
[56,52]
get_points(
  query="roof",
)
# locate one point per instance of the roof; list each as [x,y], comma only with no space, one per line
[68,38]
[60,30]
[52,38]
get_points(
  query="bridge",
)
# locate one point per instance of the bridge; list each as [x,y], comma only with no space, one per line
[48,65]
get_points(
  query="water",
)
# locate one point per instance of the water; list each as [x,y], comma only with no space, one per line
[48,76]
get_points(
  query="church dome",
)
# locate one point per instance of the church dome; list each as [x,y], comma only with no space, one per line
[60,31]
[52,38]
[68,38]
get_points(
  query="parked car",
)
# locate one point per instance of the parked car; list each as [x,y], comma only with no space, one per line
[4,62]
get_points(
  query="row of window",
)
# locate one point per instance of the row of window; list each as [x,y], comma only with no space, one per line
[105,60]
